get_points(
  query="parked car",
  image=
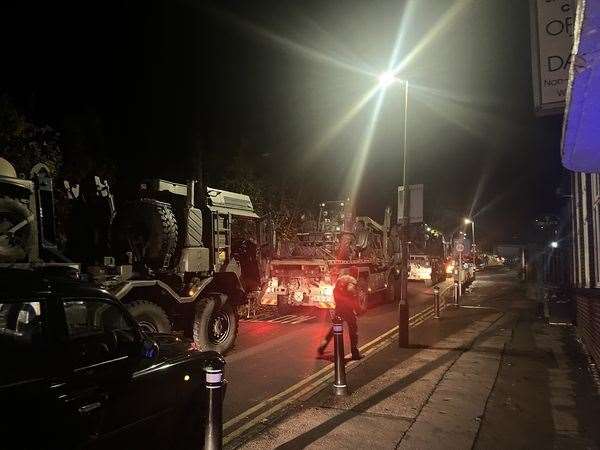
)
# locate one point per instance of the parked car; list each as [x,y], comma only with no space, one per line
[78,372]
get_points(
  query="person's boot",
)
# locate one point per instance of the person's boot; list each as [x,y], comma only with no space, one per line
[356,354]
[321,348]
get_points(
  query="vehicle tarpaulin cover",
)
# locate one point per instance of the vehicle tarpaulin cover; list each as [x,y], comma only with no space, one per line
[581,127]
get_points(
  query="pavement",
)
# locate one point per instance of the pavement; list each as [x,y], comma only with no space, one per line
[487,375]
[277,353]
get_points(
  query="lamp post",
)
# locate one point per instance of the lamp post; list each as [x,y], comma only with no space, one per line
[403,303]
[385,79]
[472,222]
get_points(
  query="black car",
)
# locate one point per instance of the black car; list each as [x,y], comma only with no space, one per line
[76,371]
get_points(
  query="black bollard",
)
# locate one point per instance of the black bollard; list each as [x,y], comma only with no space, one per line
[213,427]
[436,301]
[456,292]
[339,383]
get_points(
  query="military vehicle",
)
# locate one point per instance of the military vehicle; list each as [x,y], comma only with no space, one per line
[427,255]
[170,256]
[303,272]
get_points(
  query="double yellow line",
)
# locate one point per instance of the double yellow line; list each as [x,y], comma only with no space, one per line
[236,426]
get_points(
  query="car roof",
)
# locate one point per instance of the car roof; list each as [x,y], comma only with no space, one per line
[20,283]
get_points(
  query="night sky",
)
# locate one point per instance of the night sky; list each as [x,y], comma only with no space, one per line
[165,80]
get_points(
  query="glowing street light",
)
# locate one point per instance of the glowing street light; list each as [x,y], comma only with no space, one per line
[554,244]
[385,79]
[472,223]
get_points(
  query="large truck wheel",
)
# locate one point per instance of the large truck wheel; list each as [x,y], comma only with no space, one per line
[283,307]
[215,325]
[150,227]
[363,301]
[17,247]
[391,291]
[150,317]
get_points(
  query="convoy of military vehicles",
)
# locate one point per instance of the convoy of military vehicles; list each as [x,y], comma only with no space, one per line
[168,256]
[172,257]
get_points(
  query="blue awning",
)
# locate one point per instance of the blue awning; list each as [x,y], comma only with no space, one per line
[581,127]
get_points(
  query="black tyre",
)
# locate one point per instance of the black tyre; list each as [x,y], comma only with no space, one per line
[151,317]
[150,227]
[391,291]
[14,248]
[283,307]
[363,301]
[215,325]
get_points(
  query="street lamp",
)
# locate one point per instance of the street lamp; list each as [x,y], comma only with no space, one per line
[385,79]
[554,244]
[472,223]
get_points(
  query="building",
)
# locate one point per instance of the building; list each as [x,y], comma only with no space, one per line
[581,154]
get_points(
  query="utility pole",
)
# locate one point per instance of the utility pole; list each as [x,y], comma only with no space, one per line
[404,236]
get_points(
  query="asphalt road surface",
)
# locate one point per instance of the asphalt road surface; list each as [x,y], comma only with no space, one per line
[275,351]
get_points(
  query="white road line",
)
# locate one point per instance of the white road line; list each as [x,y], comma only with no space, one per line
[303,319]
[281,319]
[290,320]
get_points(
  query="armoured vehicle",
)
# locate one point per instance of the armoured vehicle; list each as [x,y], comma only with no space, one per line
[303,272]
[170,255]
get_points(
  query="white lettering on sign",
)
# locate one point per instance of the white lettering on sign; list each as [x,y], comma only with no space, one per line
[552,39]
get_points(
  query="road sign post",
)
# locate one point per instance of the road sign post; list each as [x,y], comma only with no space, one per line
[410,210]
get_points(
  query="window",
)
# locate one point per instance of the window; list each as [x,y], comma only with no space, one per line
[22,343]
[98,330]
[20,322]
[93,316]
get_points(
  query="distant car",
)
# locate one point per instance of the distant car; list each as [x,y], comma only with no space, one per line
[77,372]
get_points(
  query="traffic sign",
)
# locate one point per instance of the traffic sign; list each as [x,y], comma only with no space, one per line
[460,248]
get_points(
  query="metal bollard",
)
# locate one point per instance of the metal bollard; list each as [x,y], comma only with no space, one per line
[339,383]
[456,292]
[436,301]
[213,427]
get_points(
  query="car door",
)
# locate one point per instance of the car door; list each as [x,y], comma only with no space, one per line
[32,415]
[106,348]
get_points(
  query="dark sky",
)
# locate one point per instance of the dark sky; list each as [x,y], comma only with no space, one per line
[169,78]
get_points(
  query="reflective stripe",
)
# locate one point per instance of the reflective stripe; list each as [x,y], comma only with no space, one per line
[214,377]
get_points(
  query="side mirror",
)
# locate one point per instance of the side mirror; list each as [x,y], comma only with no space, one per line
[149,349]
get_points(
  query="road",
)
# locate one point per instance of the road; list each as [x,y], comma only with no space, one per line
[275,352]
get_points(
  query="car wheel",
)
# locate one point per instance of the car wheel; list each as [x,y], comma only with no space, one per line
[215,325]
[150,317]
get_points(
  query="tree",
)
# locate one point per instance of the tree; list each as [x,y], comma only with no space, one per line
[25,144]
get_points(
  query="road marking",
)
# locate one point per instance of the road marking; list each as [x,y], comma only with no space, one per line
[280,319]
[274,318]
[303,319]
[315,380]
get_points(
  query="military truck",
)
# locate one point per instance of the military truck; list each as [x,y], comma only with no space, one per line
[303,272]
[170,255]
[427,261]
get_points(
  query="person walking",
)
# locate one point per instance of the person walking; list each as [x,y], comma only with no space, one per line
[345,295]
